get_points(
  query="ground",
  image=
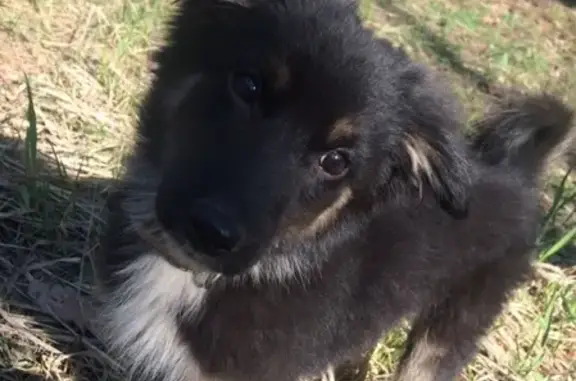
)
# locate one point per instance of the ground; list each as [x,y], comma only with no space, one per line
[71,75]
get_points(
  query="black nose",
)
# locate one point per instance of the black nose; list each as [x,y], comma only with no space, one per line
[211,230]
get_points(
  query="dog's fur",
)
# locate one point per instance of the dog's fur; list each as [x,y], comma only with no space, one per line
[423,224]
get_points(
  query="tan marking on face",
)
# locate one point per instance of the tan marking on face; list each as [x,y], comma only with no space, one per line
[281,75]
[343,128]
[330,214]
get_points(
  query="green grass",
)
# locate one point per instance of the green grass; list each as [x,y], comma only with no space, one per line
[71,75]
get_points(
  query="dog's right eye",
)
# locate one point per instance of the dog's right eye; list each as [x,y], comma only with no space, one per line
[245,86]
[335,163]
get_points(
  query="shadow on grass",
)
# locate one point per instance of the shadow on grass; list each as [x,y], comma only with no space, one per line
[441,49]
[49,223]
[18,375]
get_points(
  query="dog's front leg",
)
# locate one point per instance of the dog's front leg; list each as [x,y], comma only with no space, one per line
[443,337]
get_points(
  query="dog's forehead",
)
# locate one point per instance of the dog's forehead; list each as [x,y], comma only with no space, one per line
[326,64]
[320,96]
[318,44]
[316,55]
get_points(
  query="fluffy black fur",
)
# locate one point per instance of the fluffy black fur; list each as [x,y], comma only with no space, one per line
[422,223]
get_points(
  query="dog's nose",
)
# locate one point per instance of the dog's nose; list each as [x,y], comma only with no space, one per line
[213,231]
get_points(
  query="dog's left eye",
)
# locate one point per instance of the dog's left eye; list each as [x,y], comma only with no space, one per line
[246,86]
[335,163]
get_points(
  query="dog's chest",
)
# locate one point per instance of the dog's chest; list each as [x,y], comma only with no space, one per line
[281,334]
[167,328]
[141,321]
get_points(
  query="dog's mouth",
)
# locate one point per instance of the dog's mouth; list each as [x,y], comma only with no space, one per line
[206,269]
[202,276]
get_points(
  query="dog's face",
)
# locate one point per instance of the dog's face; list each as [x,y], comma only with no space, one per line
[280,128]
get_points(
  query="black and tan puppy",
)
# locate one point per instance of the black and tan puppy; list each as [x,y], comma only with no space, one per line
[297,187]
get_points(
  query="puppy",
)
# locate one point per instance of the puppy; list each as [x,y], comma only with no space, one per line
[298,186]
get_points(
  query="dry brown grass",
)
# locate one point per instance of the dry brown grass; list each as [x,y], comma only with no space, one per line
[87,64]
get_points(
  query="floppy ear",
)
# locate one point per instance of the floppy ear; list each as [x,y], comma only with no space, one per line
[441,167]
[433,142]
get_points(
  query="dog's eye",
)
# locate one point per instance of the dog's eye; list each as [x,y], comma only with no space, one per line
[335,163]
[246,86]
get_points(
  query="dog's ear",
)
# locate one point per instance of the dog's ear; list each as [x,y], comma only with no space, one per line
[441,166]
[433,142]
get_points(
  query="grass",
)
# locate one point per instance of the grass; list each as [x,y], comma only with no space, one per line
[71,75]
